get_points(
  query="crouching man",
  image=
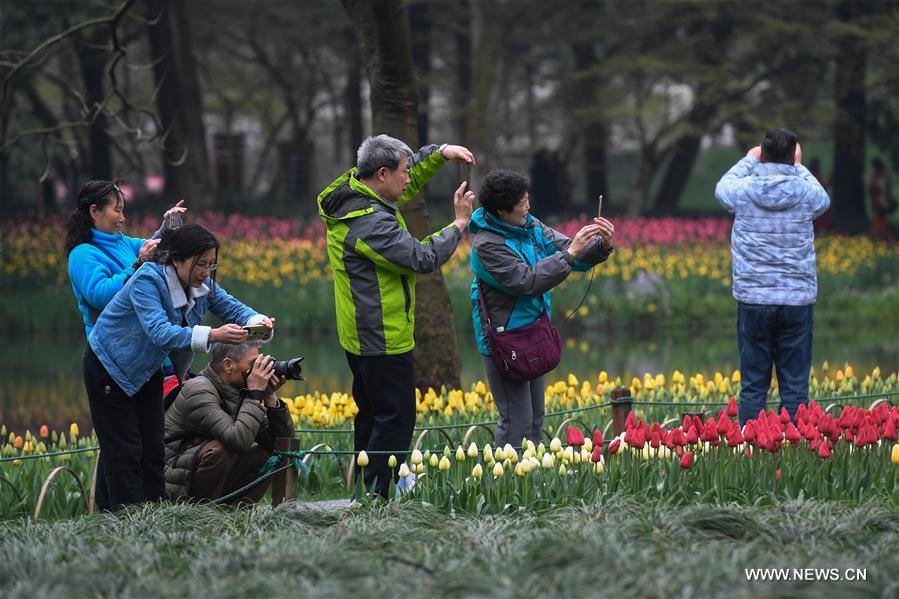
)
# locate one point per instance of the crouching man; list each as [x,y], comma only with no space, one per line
[221,428]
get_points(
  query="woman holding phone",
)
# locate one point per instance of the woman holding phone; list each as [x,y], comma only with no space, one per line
[101,258]
[157,314]
[517,260]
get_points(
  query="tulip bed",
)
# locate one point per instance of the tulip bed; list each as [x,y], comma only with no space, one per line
[720,473]
[663,267]
[852,456]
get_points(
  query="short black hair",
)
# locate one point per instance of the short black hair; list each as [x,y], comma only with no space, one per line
[502,189]
[779,146]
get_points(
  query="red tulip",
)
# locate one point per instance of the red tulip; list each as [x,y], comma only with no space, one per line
[777,474]
[44,432]
[824,451]
[597,453]
[723,423]
[597,438]
[692,436]
[574,437]
[889,430]
[732,410]
[631,420]
[614,444]
[687,460]
[792,434]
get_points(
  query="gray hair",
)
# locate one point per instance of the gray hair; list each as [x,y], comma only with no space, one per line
[380,150]
[219,351]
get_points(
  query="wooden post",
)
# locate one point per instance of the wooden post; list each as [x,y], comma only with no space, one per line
[622,403]
[284,484]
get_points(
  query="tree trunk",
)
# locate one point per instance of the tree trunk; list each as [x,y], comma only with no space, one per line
[353,97]
[685,153]
[384,40]
[594,131]
[463,70]
[92,57]
[850,98]
[180,107]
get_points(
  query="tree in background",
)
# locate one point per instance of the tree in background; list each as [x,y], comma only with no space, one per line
[382,30]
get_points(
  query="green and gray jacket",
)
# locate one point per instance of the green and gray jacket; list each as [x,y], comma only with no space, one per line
[374,259]
[207,408]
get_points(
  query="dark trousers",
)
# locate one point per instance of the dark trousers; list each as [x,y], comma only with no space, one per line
[384,391]
[130,431]
[521,405]
[778,335]
[101,493]
[221,471]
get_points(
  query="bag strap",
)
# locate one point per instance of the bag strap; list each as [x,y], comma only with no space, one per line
[485,315]
[109,255]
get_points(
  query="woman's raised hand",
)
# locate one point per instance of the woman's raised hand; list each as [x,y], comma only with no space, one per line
[583,239]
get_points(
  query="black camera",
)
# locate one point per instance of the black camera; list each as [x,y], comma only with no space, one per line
[290,369]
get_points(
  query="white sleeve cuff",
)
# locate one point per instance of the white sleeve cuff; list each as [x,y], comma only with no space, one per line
[257,319]
[199,341]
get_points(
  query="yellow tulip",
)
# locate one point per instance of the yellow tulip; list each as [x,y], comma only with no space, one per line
[404,470]
[433,461]
[488,451]
[572,380]
[894,456]
[73,429]
[588,445]
[735,377]
[562,470]
[598,467]
[362,459]
[480,388]
[444,464]
[555,445]
[391,461]
[477,471]
[472,450]
[603,377]
[849,372]
[416,457]
[460,454]
[548,461]
[497,470]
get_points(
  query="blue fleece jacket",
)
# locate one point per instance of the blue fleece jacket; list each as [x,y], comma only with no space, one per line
[97,275]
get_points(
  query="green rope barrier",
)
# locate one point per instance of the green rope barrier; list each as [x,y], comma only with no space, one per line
[35,456]
[269,469]
[686,404]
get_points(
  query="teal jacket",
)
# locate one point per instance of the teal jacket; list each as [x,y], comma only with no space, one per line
[517,266]
[98,269]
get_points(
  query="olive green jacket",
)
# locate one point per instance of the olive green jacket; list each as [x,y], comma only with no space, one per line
[209,409]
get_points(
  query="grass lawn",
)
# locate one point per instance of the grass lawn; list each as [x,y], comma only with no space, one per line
[625,547]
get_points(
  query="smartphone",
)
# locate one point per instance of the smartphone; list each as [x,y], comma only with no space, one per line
[257,332]
[599,210]
[465,174]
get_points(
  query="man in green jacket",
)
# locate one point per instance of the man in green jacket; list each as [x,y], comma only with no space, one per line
[374,260]
[221,428]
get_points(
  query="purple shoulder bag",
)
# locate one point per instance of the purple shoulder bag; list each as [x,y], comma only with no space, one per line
[524,353]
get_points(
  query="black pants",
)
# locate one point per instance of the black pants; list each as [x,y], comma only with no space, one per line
[130,431]
[384,391]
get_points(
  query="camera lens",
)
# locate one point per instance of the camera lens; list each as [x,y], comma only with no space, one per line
[289,369]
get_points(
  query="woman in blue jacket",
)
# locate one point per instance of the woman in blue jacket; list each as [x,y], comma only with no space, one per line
[101,258]
[157,314]
[516,260]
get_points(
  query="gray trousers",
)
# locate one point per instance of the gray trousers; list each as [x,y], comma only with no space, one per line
[521,406]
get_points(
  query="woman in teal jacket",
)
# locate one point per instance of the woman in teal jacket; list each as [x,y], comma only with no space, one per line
[101,259]
[516,260]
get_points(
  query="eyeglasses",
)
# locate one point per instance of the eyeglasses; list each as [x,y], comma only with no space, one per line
[206,266]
